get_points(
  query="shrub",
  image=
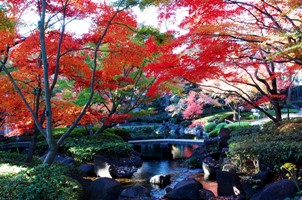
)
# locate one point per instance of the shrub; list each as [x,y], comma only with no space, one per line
[209,127]
[246,131]
[85,153]
[214,133]
[267,148]
[237,125]
[40,182]
[221,125]
[16,159]
[108,136]
[123,133]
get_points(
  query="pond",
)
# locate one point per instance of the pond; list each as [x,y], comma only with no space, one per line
[163,164]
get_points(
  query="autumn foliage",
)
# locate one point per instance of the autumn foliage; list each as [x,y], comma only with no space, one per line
[250,49]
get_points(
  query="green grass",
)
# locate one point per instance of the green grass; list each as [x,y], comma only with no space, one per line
[218,116]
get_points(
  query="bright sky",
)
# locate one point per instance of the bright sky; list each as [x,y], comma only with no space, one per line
[146,17]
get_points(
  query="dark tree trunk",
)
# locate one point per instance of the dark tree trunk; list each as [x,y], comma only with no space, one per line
[32,147]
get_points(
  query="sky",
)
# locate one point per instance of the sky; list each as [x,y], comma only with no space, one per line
[146,17]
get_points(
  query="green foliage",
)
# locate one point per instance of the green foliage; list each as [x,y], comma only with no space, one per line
[83,149]
[237,125]
[214,133]
[220,125]
[270,147]
[86,153]
[138,133]
[158,118]
[6,23]
[146,32]
[218,117]
[123,133]
[84,95]
[40,182]
[109,136]
[209,127]
[246,131]
[16,159]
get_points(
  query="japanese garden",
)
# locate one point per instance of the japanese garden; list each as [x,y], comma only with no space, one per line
[150,99]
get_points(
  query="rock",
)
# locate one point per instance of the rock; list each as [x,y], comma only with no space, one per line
[62,159]
[122,171]
[105,189]
[117,167]
[255,183]
[86,183]
[135,193]
[160,180]
[196,159]
[186,189]
[228,184]
[87,170]
[101,167]
[210,164]
[205,194]
[224,136]
[278,191]
[227,198]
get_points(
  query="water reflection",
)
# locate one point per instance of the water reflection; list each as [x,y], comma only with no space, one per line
[154,167]
[168,151]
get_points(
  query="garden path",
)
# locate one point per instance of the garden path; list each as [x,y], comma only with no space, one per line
[266,119]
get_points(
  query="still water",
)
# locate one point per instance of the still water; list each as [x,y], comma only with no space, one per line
[163,159]
[154,167]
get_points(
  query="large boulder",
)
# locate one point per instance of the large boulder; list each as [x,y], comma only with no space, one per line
[62,159]
[87,169]
[160,180]
[105,189]
[256,182]
[117,167]
[210,164]
[228,184]
[135,193]
[278,191]
[195,160]
[205,194]
[187,189]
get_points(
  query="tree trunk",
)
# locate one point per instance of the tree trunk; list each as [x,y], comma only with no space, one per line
[103,128]
[278,113]
[32,147]
[234,115]
[51,154]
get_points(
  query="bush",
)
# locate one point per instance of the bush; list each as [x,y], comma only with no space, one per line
[237,125]
[214,133]
[246,131]
[209,127]
[108,136]
[123,133]
[16,159]
[86,153]
[40,182]
[270,147]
